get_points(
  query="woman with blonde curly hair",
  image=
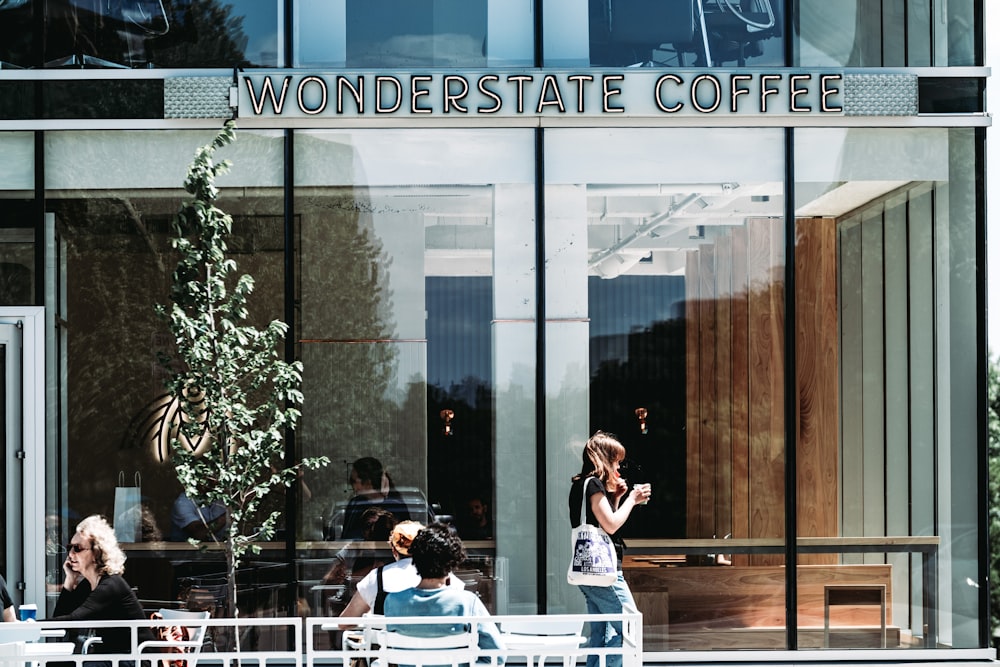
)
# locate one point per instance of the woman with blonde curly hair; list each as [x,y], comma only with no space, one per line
[94,589]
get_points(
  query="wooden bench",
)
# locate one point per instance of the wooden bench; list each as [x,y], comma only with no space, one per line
[744,606]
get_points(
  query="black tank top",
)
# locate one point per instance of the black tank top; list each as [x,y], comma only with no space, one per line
[380,593]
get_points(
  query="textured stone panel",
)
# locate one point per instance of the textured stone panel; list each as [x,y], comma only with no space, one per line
[197,97]
[880,95]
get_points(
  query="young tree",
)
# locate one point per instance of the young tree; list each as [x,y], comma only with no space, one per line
[237,396]
[993,440]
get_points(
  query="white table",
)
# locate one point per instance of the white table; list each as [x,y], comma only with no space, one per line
[49,648]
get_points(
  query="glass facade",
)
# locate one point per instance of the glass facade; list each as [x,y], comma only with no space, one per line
[780,318]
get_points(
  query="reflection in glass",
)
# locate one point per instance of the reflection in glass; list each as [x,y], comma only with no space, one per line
[677,301]
[413,33]
[416,33]
[143,33]
[399,234]
[884,218]
[686,33]
[905,33]
[111,262]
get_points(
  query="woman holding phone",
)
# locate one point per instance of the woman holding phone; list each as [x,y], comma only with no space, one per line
[609,504]
[93,587]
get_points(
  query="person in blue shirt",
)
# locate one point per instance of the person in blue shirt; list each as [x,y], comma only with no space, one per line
[436,551]
[205,522]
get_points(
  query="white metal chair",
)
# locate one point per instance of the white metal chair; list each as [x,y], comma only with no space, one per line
[396,648]
[544,639]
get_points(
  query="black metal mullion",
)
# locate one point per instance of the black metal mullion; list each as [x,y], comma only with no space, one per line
[791,402]
[982,380]
[541,491]
[292,494]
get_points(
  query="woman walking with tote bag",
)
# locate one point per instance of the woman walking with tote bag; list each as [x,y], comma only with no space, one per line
[608,504]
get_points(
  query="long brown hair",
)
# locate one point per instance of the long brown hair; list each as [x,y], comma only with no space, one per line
[599,455]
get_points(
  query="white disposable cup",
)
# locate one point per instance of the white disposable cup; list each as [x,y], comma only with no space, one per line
[639,486]
[28,612]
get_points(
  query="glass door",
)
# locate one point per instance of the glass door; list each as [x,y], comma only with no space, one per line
[11,565]
[22,417]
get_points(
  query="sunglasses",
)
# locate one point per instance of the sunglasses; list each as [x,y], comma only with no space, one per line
[76,548]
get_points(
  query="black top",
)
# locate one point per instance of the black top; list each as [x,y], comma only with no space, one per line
[380,593]
[354,527]
[595,486]
[112,600]
[5,599]
[473,531]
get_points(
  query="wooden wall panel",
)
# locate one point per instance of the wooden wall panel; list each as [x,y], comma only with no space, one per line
[708,425]
[817,369]
[740,392]
[724,387]
[691,312]
[766,321]
[735,364]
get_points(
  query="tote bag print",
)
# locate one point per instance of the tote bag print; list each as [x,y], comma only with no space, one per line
[594,561]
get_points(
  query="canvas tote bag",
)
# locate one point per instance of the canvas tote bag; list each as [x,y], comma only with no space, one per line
[594,561]
[128,510]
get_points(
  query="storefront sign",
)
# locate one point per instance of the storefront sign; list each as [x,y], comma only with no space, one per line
[631,92]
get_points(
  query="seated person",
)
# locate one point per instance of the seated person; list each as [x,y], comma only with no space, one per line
[436,551]
[6,603]
[378,526]
[372,487]
[186,520]
[396,576]
[93,588]
[476,524]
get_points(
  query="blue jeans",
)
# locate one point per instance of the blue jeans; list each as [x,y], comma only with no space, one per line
[607,600]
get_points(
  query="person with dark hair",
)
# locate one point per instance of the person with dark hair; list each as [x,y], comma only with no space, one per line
[6,603]
[436,552]
[608,504]
[378,526]
[476,523]
[372,487]
[374,589]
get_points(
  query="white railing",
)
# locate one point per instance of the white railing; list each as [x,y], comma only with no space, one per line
[318,641]
[527,639]
[227,641]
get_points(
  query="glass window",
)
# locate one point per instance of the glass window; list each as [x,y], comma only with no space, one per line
[897,33]
[144,33]
[413,33]
[885,231]
[110,239]
[415,283]
[665,272]
[17,219]
[678,33]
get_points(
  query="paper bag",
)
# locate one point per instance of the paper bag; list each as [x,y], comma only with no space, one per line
[128,510]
